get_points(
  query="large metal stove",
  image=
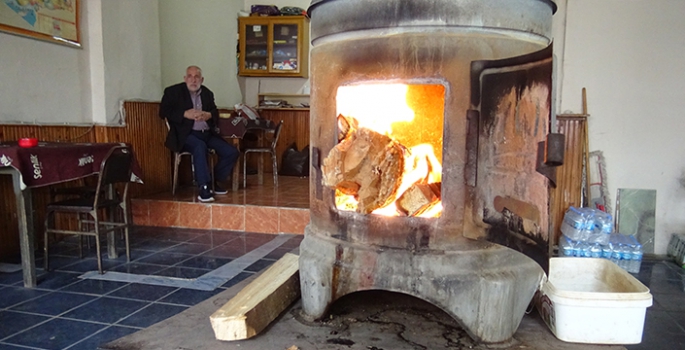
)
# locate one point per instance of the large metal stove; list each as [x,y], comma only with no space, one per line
[476,77]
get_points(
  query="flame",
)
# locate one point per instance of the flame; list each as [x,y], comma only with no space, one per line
[434,211]
[375,106]
[345,201]
[421,166]
[410,114]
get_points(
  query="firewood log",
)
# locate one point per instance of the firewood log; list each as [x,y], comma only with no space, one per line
[368,165]
[418,198]
[346,125]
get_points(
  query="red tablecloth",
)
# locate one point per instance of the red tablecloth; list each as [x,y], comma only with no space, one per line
[52,162]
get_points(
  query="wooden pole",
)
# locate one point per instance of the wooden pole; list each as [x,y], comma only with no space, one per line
[587,151]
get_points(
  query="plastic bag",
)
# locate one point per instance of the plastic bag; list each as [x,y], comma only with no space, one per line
[265,10]
[295,163]
[293,11]
[246,111]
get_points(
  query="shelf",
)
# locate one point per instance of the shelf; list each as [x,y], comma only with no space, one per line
[292,99]
[282,108]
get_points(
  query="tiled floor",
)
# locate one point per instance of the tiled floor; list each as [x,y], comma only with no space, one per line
[665,320]
[65,312]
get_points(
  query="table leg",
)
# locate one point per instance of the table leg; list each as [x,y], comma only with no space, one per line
[235,179]
[111,245]
[26,238]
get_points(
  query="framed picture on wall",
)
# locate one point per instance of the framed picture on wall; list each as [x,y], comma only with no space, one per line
[51,20]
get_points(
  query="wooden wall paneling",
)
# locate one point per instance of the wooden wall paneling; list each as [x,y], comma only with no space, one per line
[49,133]
[295,130]
[570,175]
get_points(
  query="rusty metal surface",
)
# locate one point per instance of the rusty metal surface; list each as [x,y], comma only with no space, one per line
[515,105]
[554,149]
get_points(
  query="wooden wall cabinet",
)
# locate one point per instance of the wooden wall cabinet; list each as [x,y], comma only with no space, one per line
[274,46]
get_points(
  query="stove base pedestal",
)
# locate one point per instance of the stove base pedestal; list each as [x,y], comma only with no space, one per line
[487,290]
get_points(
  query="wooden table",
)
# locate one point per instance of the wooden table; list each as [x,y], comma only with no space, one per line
[44,165]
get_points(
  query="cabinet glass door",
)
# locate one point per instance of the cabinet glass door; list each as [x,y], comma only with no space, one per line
[256,47]
[285,49]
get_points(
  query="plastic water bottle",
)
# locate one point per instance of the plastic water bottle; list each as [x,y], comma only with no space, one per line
[595,251]
[616,253]
[575,223]
[602,227]
[626,257]
[636,260]
[606,251]
[576,249]
[566,247]
[587,252]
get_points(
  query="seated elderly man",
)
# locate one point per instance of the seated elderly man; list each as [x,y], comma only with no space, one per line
[192,114]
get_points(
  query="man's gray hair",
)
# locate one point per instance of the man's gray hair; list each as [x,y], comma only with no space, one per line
[196,67]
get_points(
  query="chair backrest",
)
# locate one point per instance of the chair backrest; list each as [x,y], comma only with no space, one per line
[277,133]
[116,167]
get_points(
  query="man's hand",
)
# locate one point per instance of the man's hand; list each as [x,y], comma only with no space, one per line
[194,114]
[204,116]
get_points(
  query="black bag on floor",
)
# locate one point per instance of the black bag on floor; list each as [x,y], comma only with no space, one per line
[295,163]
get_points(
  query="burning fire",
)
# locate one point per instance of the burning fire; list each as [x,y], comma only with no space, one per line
[409,118]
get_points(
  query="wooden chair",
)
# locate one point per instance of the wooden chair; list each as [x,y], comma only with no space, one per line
[116,168]
[74,192]
[271,149]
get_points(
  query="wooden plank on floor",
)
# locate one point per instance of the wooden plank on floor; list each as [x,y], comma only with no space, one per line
[260,302]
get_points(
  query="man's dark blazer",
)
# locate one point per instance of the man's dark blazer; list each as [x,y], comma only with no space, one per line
[175,102]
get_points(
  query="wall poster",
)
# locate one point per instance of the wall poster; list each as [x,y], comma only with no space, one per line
[51,20]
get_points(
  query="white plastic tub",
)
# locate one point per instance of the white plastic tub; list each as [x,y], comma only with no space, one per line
[592,300]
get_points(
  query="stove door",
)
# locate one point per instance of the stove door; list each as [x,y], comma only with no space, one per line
[509,123]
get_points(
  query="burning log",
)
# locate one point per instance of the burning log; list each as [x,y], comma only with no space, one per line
[418,199]
[346,126]
[366,165]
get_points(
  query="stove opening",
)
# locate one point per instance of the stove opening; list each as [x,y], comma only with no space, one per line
[388,160]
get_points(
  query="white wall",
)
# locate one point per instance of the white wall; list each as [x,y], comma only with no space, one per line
[41,82]
[47,83]
[629,56]
[131,54]
[201,33]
